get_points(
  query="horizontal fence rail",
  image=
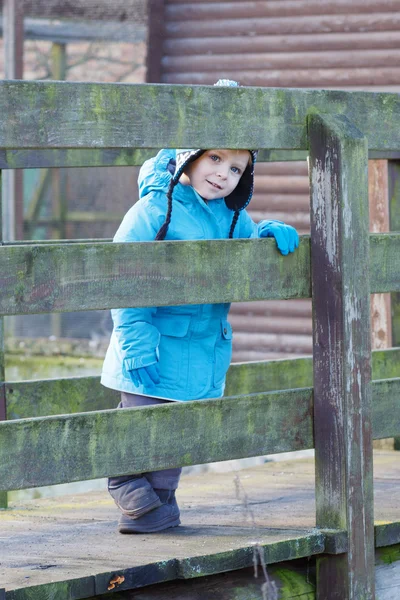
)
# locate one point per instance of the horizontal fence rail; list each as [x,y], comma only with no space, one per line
[26,399]
[43,115]
[79,276]
[51,450]
[69,277]
[40,159]
[48,450]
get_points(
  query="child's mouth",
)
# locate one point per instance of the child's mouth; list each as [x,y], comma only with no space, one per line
[218,187]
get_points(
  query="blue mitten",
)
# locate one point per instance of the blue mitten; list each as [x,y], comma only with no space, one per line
[286,237]
[148,376]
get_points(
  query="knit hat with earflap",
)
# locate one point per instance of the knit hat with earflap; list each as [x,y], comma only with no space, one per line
[235,201]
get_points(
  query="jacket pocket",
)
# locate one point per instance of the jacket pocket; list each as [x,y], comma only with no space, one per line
[223,353]
[173,347]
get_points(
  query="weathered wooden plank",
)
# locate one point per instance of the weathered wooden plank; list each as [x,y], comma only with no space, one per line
[26,399]
[31,399]
[39,278]
[384,263]
[292,580]
[386,363]
[75,276]
[3,409]
[37,159]
[386,408]
[49,450]
[155,38]
[93,115]
[284,424]
[66,32]
[120,11]
[387,534]
[342,348]
[394,221]
[73,589]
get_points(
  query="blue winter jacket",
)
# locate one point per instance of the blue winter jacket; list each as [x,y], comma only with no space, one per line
[192,343]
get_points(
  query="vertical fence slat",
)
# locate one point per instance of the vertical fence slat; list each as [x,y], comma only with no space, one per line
[342,348]
[394,218]
[3,411]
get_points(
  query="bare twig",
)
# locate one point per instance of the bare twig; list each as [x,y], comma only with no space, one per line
[268,588]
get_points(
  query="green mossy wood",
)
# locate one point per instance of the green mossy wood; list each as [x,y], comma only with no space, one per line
[341,350]
[86,276]
[3,408]
[43,115]
[48,450]
[26,399]
[57,449]
[394,212]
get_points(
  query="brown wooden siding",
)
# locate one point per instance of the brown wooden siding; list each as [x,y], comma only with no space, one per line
[291,43]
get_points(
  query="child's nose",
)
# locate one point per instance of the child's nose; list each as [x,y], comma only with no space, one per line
[222,173]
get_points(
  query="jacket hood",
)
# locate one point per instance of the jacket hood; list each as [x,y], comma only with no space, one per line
[156,173]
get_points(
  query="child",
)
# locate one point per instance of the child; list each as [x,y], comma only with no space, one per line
[178,353]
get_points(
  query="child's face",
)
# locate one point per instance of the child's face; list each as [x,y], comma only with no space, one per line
[216,173]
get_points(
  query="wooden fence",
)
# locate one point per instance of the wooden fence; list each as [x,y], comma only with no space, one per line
[339,411]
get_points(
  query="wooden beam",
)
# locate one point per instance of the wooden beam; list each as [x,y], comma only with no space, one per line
[394,225]
[49,450]
[43,115]
[41,159]
[65,32]
[38,159]
[119,10]
[292,580]
[66,277]
[59,449]
[3,406]
[13,69]
[26,399]
[342,347]
[155,39]
[62,277]
[379,223]
[13,17]
[385,408]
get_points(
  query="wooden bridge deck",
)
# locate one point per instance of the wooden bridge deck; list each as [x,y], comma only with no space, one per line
[70,545]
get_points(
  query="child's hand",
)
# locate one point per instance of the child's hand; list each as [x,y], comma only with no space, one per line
[148,376]
[286,237]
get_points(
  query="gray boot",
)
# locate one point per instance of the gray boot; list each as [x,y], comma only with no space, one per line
[133,495]
[165,483]
[164,517]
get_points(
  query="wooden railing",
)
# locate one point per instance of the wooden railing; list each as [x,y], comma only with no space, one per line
[338,412]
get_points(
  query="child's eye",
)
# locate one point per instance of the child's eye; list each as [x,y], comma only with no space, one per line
[235,170]
[214,157]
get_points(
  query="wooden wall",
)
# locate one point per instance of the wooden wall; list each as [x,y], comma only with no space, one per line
[309,44]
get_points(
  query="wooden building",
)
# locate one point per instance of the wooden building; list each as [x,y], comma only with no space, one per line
[297,43]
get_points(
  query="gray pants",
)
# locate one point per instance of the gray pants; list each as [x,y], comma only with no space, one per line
[167,479]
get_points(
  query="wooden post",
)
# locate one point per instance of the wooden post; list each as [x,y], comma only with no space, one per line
[59,209]
[3,408]
[379,223]
[342,349]
[394,224]
[155,38]
[381,320]
[13,27]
